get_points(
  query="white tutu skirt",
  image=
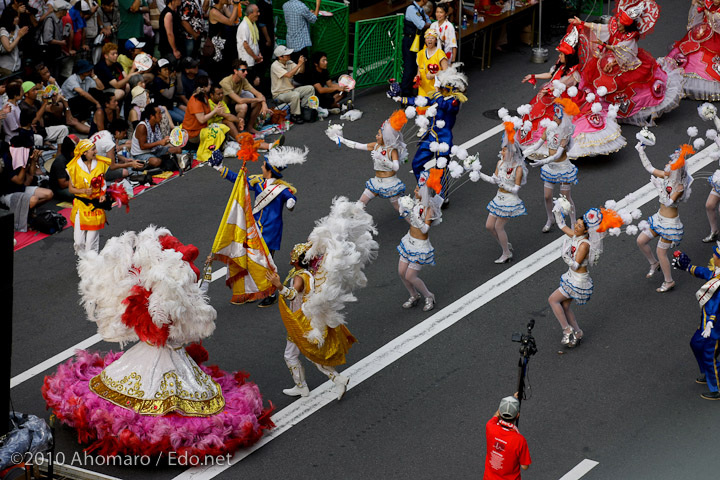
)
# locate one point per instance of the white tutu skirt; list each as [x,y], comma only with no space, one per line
[417,251]
[668,228]
[385,187]
[578,286]
[715,186]
[506,205]
[158,380]
[559,172]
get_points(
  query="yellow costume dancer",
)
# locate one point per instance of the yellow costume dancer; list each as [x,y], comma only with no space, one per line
[429,63]
[87,182]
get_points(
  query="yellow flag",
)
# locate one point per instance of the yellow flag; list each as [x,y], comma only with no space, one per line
[240,246]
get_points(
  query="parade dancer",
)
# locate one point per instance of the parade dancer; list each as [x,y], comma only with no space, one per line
[415,248]
[557,168]
[708,111]
[272,196]
[387,151]
[697,53]
[582,247]
[673,185]
[706,339]
[510,174]
[643,87]
[325,271]
[443,107]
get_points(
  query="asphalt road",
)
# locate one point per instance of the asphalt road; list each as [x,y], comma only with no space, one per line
[625,398]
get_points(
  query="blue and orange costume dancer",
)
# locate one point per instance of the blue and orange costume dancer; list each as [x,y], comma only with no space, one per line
[705,342]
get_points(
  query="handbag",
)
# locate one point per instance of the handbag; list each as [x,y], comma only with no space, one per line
[415,47]
[208,48]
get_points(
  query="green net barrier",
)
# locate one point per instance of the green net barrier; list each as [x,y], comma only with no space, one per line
[377,55]
[328,34]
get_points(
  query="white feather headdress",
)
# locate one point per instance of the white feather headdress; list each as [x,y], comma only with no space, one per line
[281,157]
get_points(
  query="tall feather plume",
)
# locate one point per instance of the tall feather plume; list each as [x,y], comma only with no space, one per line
[281,157]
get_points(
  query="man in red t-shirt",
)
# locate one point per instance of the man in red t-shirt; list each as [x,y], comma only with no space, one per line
[507,450]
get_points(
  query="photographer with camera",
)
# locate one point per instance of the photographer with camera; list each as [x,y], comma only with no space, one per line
[507,450]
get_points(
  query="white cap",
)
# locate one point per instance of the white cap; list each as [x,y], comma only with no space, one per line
[509,408]
[61,5]
[163,62]
[281,50]
[134,43]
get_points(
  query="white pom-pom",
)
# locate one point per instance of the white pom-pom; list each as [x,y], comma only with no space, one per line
[507,118]
[431,111]
[474,176]
[406,205]
[441,162]
[502,113]
[596,107]
[699,143]
[692,132]
[440,123]
[462,154]
[711,134]
[552,125]
[443,147]
[590,97]
[558,85]
[421,121]
[434,147]
[527,126]
[626,218]
[636,214]
[572,91]
[707,111]
[476,166]
[615,232]
[563,204]
[611,204]
[545,123]
[632,230]
[602,91]
[410,112]
[456,170]
[421,101]
[454,149]
[557,93]
[524,110]
[517,122]
[644,225]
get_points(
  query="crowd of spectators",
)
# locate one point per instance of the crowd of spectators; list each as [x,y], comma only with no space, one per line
[124,73]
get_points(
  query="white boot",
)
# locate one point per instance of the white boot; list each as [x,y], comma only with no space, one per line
[298,373]
[341,383]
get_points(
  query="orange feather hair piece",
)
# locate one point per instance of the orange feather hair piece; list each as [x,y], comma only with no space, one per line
[398,119]
[685,150]
[510,132]
[569,107]
[434,181]
[610,219]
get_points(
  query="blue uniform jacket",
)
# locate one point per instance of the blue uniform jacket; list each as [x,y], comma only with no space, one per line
[269,219]
[711,307]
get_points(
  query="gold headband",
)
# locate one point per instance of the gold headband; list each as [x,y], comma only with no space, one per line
[298,250]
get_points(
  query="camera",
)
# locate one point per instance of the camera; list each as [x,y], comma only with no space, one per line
[526,341]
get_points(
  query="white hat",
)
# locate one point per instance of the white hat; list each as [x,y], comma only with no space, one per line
[509,408]
[134,43]
[61,5]
[281,50]
[163,62]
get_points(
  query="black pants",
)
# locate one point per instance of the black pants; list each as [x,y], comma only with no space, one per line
[409,67]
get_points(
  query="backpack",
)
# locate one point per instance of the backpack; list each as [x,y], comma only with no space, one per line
[48,222]
[309,115]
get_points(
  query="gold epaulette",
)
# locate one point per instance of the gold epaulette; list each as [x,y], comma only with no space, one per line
[292,189]
[255,179]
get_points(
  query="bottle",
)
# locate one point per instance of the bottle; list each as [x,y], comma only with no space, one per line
[124,152]
[464,22]
[512,5]
[475,16]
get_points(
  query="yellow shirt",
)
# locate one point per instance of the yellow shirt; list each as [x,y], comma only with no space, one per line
[217,118]
[428,86]
[91,218]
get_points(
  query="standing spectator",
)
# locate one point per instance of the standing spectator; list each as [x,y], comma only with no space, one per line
[446,32]
[282,72]
[77,90]
[108,20]
[11,123]
[221,38]
[191,14]
[51,133]
[329,93]
[248,38]
[243,98]
[42,10]
[91,11]
[431,56]
[10,36]
[266,24]
[148,143]
[298,18]
[51,38]
[416,21]
[172,45]
[131,19]
[164,87]
[111,73]
[79,38]
[507,449]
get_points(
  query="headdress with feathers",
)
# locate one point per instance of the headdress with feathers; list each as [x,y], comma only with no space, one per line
[279,158]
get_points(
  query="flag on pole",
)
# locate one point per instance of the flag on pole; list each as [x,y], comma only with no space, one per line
[240,246]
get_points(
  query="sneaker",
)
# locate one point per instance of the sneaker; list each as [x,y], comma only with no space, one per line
[278,143]
[711,395]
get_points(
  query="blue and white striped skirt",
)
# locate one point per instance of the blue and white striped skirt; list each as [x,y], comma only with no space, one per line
[578,286]
[506,205]
[417,251]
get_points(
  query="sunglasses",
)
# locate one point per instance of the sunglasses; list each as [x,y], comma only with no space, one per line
[243,69]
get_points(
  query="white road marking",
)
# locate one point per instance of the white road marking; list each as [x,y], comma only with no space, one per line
[580,470]
[424,331]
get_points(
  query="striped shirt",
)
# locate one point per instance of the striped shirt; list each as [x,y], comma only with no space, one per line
[298,18]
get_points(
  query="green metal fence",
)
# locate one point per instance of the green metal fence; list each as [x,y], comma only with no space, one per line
[377,55]
[329,34]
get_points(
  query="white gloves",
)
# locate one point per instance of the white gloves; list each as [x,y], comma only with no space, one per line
[708,328]
[716,121]
[668,202]
[351,144]
[549,159]
[574,265]
[487,178]
[513,189]
[290,203]
[533,148]
[644,159]
[396,165]
[397,99]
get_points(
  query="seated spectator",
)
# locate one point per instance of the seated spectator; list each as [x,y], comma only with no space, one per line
[189,72]
[215,99]
[76,89]
[30,105]
[106,142]
[39,136]
[111,73]
[58,111]
[134,48]
[103,116]
[59,178]
[141,98]
[282,72]
[247,102]
[164,88]
[18,175]
[201,131]
[148,143]
[10,36]
[328,92]
[11,123]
